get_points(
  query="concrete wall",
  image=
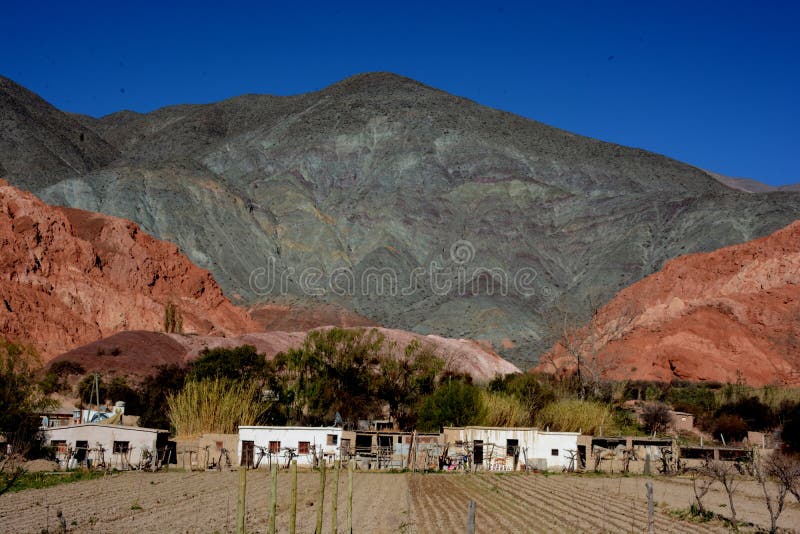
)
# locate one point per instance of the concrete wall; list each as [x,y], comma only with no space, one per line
[104,436]
[545,443]
[290,436]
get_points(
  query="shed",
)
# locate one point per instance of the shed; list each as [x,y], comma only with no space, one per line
[113,446]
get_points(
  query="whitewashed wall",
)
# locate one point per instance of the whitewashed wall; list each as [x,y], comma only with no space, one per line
[290,436]
[545,442]
[106,435]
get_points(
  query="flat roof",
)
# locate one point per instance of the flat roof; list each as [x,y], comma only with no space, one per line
[262,427]
[99,425]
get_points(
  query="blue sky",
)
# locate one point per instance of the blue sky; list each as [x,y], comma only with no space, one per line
[714,84]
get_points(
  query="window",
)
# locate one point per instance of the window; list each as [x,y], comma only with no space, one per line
[274,447]
[220,445]
[333,439]
[303,447]
[346,445]
[553,452]
[59,445]
[121,447]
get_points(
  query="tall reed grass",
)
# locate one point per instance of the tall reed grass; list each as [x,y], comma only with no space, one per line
[573,415]
[217,405]
[500,409]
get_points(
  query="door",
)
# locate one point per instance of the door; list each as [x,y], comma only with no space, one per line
[247,453]
[478,452]
[512,449]
[81,449]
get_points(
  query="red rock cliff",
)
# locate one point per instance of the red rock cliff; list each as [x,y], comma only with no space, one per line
[70,277]
[731,313]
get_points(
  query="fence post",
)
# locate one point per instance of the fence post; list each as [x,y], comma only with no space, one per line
[240,508]
[350,468]
[651,525]
[471,518]
[293,506]
[321,495]
[273,497]
[334,519]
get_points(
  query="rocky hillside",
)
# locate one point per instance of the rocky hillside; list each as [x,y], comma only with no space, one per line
[410,207]
[70,277]
[729,314]
[137,354]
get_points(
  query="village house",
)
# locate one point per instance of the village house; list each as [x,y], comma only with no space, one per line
[511,449]
[108,445]
[260,445]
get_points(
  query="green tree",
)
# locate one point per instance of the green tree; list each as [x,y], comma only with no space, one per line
[402,382]
[238,363]
[453,403]
[154,392]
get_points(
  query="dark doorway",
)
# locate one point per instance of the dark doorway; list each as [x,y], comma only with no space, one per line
[247,453]
[581,457]
[512,449]
[81,449]
[478,452]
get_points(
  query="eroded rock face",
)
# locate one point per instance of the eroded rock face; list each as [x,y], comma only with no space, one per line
[379,173]
[70,277]
[729,314]
[137,354]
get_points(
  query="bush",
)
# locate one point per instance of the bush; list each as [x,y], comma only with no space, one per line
[790,434]
[239,363]
[573,415]
[655,417]
[756,414]
[731,426]
[532,391]
[154,391]
[56,378]
[696,400]
[453,403]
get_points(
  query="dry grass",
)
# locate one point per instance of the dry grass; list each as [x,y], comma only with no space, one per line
[500,409]
[573,415]
[218,406]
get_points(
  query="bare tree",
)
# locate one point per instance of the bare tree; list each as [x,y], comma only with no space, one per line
[582,346]
[728,476]
[656,417]
[766,467]
[701,485]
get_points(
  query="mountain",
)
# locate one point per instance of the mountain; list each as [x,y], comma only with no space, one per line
[136,354]
[722,316]
[752,186]
[70,277]
[408,206]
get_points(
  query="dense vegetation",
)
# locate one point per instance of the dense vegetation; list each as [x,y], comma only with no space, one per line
[340,375]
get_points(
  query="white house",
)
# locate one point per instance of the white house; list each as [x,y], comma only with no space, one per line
[510,448]
[114,446]
[259,445]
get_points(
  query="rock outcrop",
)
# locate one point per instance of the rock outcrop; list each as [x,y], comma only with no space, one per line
[732,314]
[137,354]
[70,277]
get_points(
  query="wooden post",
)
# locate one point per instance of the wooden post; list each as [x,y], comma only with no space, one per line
[321,495]
[293,506]
[471,518]
[350,467]
[240,508]
[647,463]
[336,468]
[651,524]
[273,496]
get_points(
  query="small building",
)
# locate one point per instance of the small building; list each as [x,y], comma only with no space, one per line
[681,421]
[260,445]
[513,448]
[109,446]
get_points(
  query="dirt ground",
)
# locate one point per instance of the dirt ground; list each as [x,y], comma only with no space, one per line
[382,502]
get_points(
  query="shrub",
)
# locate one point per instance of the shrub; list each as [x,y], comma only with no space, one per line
[696,400]
[573,415]
[790,434]
[153,392]
[756,414]
[531,390]
[655,417]
[453,403]
[731,426]
[239,363]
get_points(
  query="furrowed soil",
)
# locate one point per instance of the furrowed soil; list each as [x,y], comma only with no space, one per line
[382,502]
